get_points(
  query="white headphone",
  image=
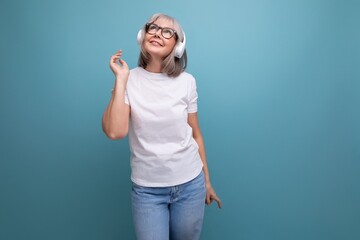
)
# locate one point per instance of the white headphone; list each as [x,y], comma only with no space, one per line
[179,48]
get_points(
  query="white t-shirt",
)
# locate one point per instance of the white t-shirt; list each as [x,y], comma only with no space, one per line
[163,150]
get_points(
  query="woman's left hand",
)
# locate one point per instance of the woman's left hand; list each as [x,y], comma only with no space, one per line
[211,195]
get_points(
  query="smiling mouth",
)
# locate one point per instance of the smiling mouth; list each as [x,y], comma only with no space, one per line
[155,43]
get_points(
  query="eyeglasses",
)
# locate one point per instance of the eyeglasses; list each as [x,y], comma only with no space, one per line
[152,28]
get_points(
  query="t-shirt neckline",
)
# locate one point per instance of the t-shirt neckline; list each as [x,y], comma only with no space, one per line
[152,75]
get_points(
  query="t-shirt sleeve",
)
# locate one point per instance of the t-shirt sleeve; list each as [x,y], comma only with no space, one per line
[192,97]
[126,98]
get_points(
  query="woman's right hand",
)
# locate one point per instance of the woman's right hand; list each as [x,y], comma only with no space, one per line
[119,67]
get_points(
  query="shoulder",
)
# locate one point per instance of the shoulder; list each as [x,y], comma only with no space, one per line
[134,78]
[135,71]
[135,74]
[185,76]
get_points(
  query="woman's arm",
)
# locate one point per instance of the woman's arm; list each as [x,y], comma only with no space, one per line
[115,121]
[194,124]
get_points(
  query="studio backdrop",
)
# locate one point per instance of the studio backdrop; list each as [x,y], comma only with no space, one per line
[279,100]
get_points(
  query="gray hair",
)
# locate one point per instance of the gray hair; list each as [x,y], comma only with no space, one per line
[171,65]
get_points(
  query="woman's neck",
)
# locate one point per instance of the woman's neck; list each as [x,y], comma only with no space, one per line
[155,66]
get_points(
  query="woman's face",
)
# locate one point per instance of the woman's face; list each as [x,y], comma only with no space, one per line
[156,45]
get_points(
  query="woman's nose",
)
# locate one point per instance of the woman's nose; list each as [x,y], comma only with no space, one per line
[158,32]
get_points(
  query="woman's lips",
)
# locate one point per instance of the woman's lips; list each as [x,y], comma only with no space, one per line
[156,43]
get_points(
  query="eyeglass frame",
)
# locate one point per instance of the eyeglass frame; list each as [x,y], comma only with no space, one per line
[147,26]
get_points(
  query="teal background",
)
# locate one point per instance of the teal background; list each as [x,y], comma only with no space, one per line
[279,101]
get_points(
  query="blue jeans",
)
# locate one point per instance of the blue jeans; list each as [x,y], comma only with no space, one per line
[163,213]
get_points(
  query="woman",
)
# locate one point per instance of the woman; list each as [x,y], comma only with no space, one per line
[156,105]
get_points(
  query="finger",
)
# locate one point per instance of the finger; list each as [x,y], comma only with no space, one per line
[114,57]
[218,201]
[118,53]
[117,56]
[207,200]
[123,62]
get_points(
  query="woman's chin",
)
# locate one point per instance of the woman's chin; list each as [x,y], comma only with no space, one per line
[158,54]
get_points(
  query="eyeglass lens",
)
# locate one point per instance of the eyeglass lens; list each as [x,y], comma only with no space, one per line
[165,32]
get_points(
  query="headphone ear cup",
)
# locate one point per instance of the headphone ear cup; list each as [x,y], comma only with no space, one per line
[180,47]
[138,38]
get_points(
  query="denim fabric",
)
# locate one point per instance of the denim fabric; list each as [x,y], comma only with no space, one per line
[175,213]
